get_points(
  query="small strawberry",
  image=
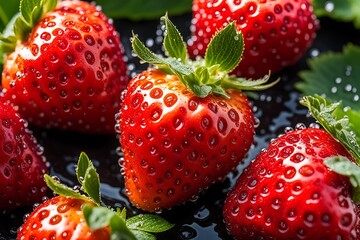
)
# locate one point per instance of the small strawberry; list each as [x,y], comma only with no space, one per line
[294,189]
[276,33]
[74,215]
[22,164]
[64,68]
[181,127]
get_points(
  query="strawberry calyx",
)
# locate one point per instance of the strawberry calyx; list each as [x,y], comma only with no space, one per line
[325,113]
[203,76]
[98,215]
[19,27]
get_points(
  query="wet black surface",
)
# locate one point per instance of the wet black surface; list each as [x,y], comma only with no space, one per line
[276,109]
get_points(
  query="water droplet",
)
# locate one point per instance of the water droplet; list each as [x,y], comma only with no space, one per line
[329,6]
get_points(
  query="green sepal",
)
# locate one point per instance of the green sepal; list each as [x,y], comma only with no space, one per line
[135,228]
[173,41]
[144,53]
[149,223]
[344,166]
[88,178]
[62,189]
[31,11]
[100,217]
[325,113]
[225,49]
[232,82]
[202,76]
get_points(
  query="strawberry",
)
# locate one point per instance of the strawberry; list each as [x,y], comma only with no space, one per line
[60,218]
[184,125]
[75,215]
[22,163]
[276,33]
[67,70]
[293,191]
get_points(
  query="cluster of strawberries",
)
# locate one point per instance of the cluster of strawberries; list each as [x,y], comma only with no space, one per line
[184,124]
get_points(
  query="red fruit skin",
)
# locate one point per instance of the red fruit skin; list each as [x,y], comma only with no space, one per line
[276,32]
[70,72]
[287,192]
[22,164]
[176,144]
[60,218]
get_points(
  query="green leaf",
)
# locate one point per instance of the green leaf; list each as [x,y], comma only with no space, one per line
[232,82]
[173,41]
[91,185]
[88,177]
[141,235]
[345,167]
[334,75]
[83,164]
[337,124]
[146,55]
[33,10]
[100,217]
[122,213]
[144,9]
[225,49]
[61,189]
[202,77]
[149,223]
[19,27]
[340,10]
[97,217]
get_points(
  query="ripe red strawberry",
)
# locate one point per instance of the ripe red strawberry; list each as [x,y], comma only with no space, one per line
[276,33]
[60,218]
[22,164]
[68,72]
[181,130]
[289,191]
[74,215]
[175,143]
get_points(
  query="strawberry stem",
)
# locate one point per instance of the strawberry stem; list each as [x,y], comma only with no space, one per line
[203,76]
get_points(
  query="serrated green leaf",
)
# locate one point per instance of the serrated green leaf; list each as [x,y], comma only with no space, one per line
[334,75]
[173,41]
[341,10]
[61,189]
[148,223]
[347,168]
[334,120]
[144,9]
[225,49]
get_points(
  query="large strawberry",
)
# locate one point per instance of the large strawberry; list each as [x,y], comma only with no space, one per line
[22,163]
[64,68]
[73,215]
[290,192]
[181,127]
[276,32]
